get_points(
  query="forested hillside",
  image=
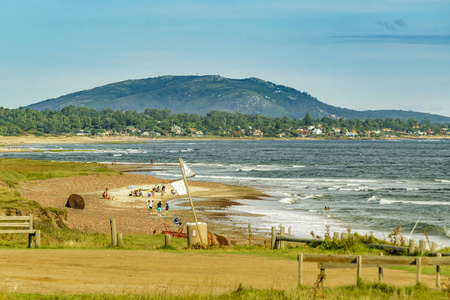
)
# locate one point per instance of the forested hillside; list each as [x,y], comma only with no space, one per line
[153,122]
[202,94]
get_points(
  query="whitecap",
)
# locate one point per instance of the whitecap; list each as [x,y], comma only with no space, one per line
[287,201]
[386,201]
[442,180]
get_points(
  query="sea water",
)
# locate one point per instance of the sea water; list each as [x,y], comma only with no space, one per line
[371,186]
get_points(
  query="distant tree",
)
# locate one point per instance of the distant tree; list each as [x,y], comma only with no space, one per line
[308,120]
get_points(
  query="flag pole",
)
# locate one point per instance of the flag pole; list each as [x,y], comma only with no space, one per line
[190,199]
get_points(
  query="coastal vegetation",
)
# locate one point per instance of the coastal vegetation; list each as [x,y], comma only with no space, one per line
[15,171]
[156,123]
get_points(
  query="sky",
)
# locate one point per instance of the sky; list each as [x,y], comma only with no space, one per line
[357,54]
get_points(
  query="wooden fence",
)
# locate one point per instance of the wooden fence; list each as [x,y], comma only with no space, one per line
[278,242]
[357,261]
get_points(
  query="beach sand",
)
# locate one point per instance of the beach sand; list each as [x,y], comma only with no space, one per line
[211,201]
[19,143]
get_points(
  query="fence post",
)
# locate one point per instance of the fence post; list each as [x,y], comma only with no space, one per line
[433,247]
[113,232]
[300,270]
[167,239]
[336,235]
[249,234]
[344,236]
[358,269]
[422,246]
[412,245]
[438,272]
[419,269]
[282,233]
[380,271]
[119,240]
[274,237]
[30,236]
[322,274]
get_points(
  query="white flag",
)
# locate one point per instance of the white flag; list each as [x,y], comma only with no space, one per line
[187,171]
[179,187]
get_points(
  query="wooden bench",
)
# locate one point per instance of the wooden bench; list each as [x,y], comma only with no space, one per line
[20,224]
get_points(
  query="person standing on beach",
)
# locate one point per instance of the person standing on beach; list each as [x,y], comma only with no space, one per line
[150,206]
[159,208]
[167,209]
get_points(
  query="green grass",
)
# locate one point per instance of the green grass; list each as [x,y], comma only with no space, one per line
[14,171]
[363,291]
[445,270]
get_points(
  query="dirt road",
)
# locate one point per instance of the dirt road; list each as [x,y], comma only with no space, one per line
[129,271]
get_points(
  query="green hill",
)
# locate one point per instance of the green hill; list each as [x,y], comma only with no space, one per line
[201,94]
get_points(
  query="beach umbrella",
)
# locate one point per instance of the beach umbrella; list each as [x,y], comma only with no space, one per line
[132,186]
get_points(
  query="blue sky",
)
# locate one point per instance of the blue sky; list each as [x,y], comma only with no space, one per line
[357,54]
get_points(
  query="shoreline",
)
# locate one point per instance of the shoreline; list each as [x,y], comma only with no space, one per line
[16,143]
[212,202]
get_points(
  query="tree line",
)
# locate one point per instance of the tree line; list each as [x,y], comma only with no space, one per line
[153,121]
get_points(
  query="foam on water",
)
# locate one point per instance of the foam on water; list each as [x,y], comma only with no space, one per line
[442,180]
[287,200]
[387,202]
[373,198]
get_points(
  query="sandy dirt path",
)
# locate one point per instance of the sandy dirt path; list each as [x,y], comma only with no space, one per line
[64,271]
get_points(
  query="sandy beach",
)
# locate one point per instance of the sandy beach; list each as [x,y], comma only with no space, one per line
[131,212]
[19,143]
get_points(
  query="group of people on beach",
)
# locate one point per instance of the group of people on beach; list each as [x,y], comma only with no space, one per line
[159,207]
[152,193]
[105,195]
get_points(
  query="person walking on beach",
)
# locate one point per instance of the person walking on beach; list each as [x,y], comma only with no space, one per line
[159,208]
[150,206]
[167,209]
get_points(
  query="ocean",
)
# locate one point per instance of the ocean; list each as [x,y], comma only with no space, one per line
[371,186]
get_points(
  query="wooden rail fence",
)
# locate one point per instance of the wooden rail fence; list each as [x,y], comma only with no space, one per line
[357,261]
[278,243]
